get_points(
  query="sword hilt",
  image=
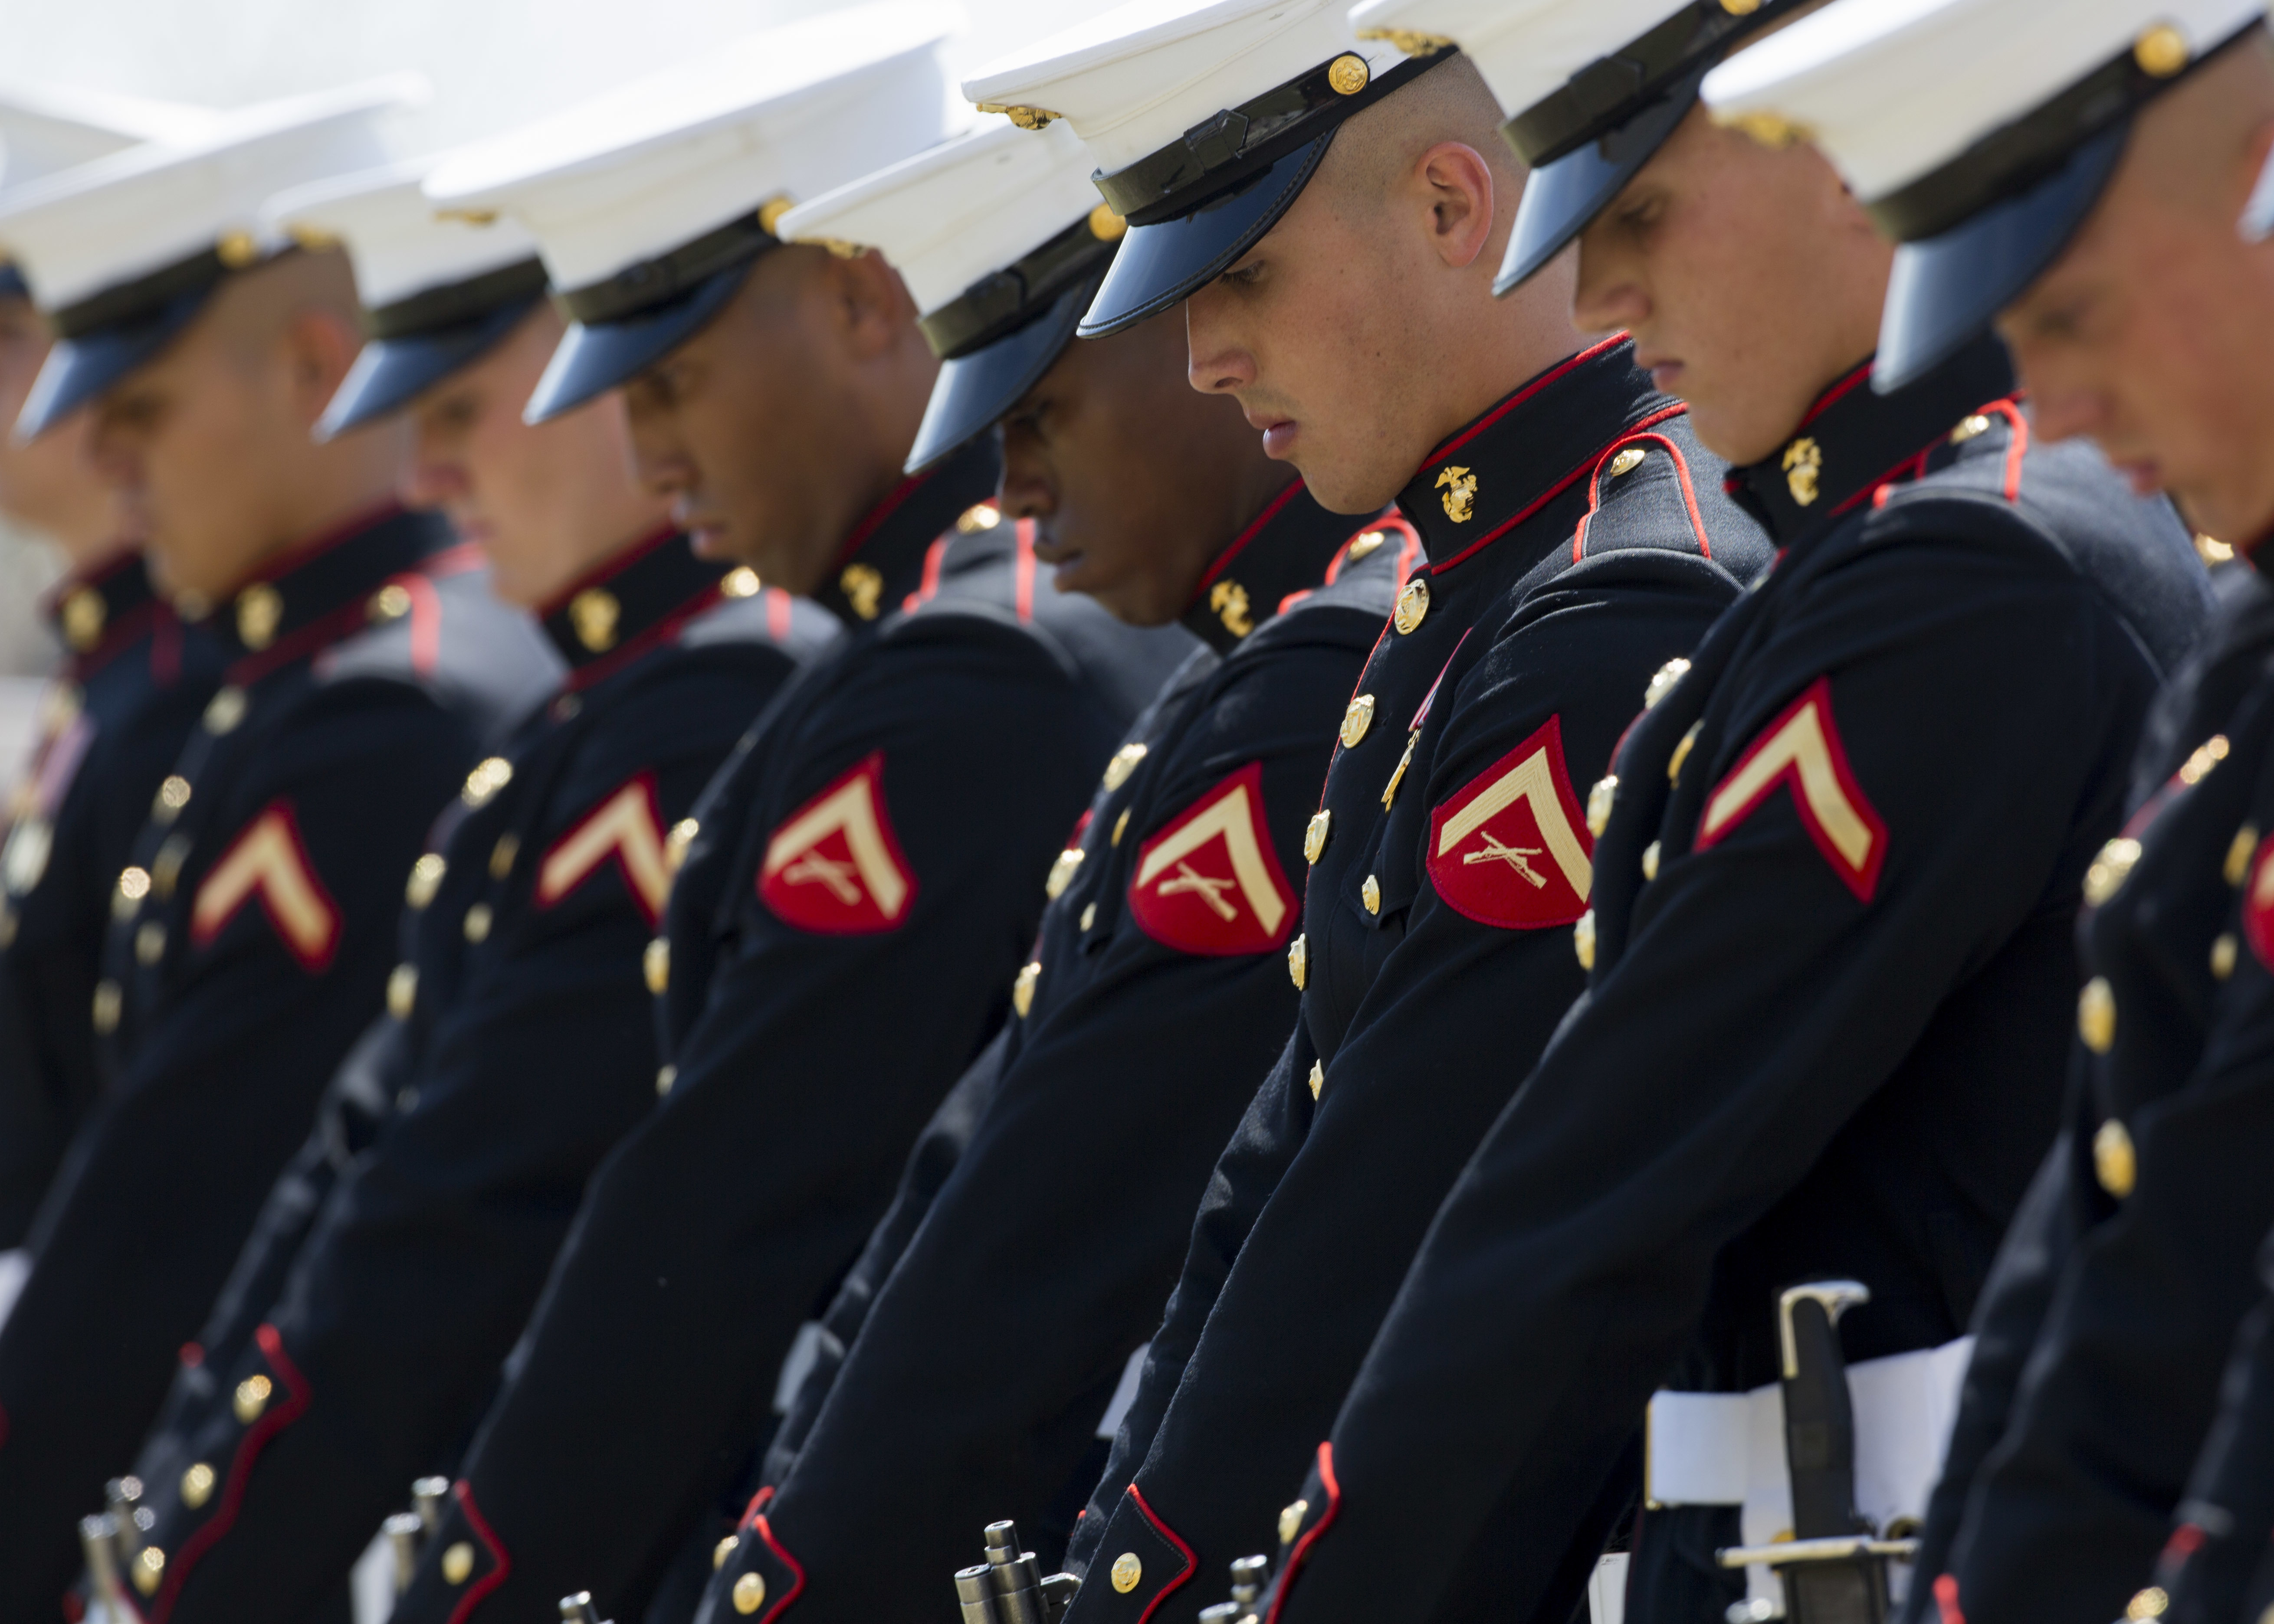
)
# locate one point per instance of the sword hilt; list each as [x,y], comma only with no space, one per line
[403,1532]
[98,1541]
[578,1609]
[426,1497]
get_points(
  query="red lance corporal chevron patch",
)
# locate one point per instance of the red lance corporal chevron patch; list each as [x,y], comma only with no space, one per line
[835,867]
[1511,849]
[1210,883]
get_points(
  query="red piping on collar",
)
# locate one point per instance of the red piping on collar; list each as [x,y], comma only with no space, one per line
[1834,395]
[1554,491]
[303,552]
[1569,364]
[1914,467]
[1223,561]
[874,519]
[609,569]
[664,629]
[93,573]
[928,585]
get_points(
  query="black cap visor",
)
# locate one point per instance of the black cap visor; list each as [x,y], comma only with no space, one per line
[596,356]
[79,368]
[975,390]
[1165,263]
[1946,289]
[1561,197]
[389,374]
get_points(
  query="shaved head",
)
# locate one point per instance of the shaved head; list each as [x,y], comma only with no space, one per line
[207,443]
[2153,333]
[1362,331]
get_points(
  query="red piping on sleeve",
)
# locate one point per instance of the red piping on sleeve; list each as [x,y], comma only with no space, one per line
[1192,1562]
[1023,579]
[465,1493]
[1946,1598]
[1295,1558]
[1681,470]
[1571,364]
[273,1421]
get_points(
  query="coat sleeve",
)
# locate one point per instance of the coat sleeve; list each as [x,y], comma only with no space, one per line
[1763,996]
[218,1091]
[720,1223]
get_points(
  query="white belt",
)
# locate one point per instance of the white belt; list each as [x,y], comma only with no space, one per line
[1728,1449]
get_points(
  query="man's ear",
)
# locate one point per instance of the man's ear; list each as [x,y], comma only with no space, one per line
[318,348]
[873,305]
[1458,184]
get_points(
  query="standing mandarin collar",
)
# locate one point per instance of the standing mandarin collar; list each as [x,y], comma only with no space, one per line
[1285,549]
[1528,449]
[1853,440]
[883,561]
[99,609]
[321,591]
[634,602]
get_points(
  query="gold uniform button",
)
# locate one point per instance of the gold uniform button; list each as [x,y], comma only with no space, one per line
[1599,799]
[1120,828]
[2205,755]
[1662,680]
[1124,762]
[425,879]
[2238,853]
[750,1593]
[1362,543]
[1357,719]
[1412,606]
[1681,754]
[1314,835]
[224,710]
[259,610]
[2222,956]
[84,613]
[1627,461]
[1318,1079]
[1088,916]
[2114,1161]
[173,795]
[2096,1015]
[391,602]
[197,1485]
[675,848]
[742,581]
[1062,872]
[2161,52]
[655,964]
[1022,991]
[478,919]
[664,1077]
[1126,1571]
[724,1549]
[108,1000]
[486,778]
[1291,1520]
[1349,74]
[2110,869]
[1583,940]
[402,990]
[149,941]
[1299,961]
[979,516]
[2149,1604]
[1370,893]
[149,1568]
[134,885]
[458,1562]
[1969,426]
[1650,861]
[251,1398]
[501,854]
[166,867]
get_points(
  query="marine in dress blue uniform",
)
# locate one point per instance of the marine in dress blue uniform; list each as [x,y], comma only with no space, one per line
[2119,1286]
[989,1344]
[112,721]
[250,930]
[1831,981]
[867,875]
[1574,537]
[518,1043]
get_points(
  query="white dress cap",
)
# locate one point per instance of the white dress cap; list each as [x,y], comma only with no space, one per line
[1892,90]
[107,223]
[45,128]
[787,114]
[949,217]
[399,247]
[1526,49]
[1134,79]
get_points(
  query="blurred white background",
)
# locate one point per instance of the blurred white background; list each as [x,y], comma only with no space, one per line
[492,64]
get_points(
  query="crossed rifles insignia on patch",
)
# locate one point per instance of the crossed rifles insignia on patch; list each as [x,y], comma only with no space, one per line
[1209,882]
[1511,848]
[835,867]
